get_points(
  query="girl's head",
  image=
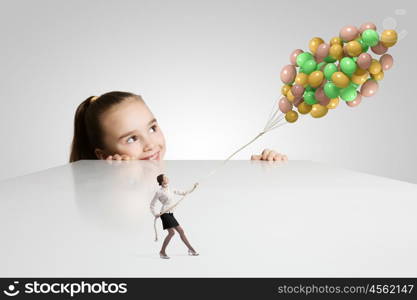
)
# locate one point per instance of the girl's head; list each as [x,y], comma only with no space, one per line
[162,179]
[116,123]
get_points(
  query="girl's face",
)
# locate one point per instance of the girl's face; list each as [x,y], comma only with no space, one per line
[130,128]
[165,181]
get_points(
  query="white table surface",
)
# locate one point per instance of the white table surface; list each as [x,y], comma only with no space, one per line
[250,219]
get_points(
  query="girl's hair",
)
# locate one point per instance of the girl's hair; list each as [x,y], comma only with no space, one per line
[88,133]
[160,178]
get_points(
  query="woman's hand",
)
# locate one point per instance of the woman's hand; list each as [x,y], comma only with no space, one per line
[270,155]
[118,157]
[157,216]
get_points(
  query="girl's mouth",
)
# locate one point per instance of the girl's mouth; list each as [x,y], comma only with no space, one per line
[155,156]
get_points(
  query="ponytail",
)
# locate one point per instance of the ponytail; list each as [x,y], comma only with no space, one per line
[80,147]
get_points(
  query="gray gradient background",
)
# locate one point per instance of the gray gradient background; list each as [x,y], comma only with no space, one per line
[209,70]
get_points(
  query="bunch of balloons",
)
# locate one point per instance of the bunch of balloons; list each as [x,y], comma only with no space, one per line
[340,69]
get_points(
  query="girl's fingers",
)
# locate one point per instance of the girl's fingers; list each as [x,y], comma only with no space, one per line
[284,158]
[109,157]
[278,157]
[265,154]
[125,157]
[255,157]
[271,156]
[117,157]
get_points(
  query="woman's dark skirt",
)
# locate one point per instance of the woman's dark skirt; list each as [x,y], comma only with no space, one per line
[168,220]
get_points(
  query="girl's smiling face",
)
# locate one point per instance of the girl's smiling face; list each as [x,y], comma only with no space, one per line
[130,128]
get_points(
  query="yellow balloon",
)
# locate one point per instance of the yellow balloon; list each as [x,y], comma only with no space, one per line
[336,51]
[389,38]
[360,76]
[301,79]
[291,116]
[290,96]
[353,48]
[315,78]
[378,76]
[336,41]
[334,102]
[304,108]
[375,67]
[340,79]
[318,111]
[285,88]
[314,44]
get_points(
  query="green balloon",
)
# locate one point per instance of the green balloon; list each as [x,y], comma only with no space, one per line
[331,90]
[348,93]
[364,46]
[329,59]
[309,97]
[309,88]
[309,66]
[352,84]
[370,37]
[320,65]
[348,66]
[303,57]
[329,69]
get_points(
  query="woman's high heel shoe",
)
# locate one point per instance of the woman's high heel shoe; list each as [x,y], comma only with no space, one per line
[193,253]
[163,256]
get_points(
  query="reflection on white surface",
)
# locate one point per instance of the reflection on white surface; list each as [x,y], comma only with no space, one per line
[252,218]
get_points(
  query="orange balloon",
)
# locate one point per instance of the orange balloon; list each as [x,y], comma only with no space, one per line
[291,116]
[375,67]
[301,79]
[315,78]
[378,76]
[318,111]
[285,88]
[290,96]
[314,44]
[304,108]
[336,41]
[336,51]
[389,38]
[334,102]
[353,48]
[340,79]
[360,76]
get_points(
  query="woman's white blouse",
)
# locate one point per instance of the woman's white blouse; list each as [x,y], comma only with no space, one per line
[166,197]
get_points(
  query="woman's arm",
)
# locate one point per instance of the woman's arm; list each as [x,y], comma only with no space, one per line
[187,192]
[153,205]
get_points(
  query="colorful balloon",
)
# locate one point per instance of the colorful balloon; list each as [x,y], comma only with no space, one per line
[309,66]
[304,108]
[333,103]
[348,66]
[336,41]
[355,102]
[321,96]
[318,111]
[366,26]
[370,37]
[328,70]
[303,57]
[379,49]
[353,48]
[288,74]
[364,61]
[323,50]
[369,88]
[386,61]
[348,93]
[348,33]
[297,90]
[309,97]
[301,79]
[340,80]
[378,76]
[360,76]
[314,44]
[284,105]
[315,79]
[375,67]
[389,38]
[335,52]
[285,88]
[331,90]
[291,116]
[293,56]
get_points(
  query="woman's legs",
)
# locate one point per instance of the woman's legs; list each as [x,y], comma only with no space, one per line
[184,238]
[171,233]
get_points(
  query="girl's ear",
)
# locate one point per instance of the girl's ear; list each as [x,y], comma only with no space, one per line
[99,153]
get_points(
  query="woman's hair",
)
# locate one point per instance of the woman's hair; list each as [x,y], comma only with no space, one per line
[88,133]
[160,178]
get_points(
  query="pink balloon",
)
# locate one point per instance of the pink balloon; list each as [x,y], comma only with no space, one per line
[386,61]
[293,56]
[321,96]
[288,74]
[355,102]
[369,88]
[379,49]
[297,101]
[366,26]
[322,50]
[349,33]
[318,59]
[297,90]
[284,105]
[364,61]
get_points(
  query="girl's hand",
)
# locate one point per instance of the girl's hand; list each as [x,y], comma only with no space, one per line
[270,155]
[157,216]
[118,157]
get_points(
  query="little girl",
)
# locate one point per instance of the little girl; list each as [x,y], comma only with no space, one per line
[120,126]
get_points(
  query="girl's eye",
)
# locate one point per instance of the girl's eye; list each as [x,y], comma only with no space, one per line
[131,138]
[154,128]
